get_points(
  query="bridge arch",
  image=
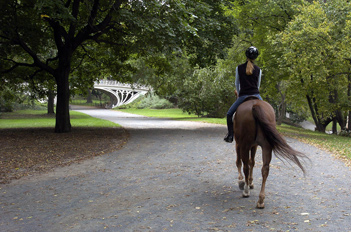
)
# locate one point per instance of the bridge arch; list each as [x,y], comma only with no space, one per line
[121,93]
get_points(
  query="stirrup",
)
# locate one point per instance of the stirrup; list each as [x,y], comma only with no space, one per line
[228,138]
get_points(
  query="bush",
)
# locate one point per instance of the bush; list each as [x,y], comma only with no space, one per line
[208,92]
[297,116]
[154,102]
[345,133]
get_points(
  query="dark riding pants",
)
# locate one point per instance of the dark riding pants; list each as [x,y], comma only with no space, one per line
[232,110]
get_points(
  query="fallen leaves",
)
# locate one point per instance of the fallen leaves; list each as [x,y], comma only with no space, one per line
[34,150]
[253,222]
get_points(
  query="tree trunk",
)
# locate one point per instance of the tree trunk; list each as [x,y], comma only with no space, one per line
[334,128]
[281,112]
[340,119]
[63,123]
[89,97]
[281,108]
[349,97]
[319,126]
[51,102]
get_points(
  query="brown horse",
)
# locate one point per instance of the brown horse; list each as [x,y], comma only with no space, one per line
[254,125]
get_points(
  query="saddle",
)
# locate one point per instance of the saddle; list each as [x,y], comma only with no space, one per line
[251,98]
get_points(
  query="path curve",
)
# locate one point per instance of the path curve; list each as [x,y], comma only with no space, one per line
[177,176]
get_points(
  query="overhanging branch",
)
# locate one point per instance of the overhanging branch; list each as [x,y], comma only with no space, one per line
[37,61]
[51,59]
[108,42]
[59,32]
[98,29]
[16,65]
[73,25]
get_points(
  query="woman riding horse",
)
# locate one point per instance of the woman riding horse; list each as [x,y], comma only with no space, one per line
[254,125]
[247,83]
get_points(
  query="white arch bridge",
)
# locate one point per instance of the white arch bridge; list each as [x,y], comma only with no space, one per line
[120,93]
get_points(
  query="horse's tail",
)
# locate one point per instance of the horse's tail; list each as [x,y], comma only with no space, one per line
[277,142]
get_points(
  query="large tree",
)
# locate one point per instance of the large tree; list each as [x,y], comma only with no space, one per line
[259,22]
[304,54]
[315,52]
[68,38]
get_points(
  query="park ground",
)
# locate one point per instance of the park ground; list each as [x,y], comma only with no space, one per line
[28,151]
[177,176]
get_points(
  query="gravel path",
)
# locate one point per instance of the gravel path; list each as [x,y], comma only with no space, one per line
[177,176]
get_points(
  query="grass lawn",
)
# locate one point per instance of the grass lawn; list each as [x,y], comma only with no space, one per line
[335,144]
[338,145]
[40,118]
[176,114]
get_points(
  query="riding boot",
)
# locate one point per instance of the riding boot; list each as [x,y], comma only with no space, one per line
[229,137]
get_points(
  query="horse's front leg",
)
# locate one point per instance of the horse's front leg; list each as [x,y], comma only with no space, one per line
[252,165]
[239,166]
[266,157]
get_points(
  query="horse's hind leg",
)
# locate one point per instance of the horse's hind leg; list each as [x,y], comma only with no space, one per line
[266,157]
[245,159]
[252,165]
[239,165]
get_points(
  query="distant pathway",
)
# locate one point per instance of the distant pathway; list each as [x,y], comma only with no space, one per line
[177,176]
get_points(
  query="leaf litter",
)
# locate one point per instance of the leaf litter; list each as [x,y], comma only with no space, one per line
[26,151]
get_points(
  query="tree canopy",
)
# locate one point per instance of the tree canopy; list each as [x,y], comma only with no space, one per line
[316,54]
[305,54]
[186,50]
[76,42]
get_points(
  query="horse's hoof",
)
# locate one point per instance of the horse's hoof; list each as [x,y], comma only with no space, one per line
[241,185]
[246,192]
[246,195]
[251,186]
[260,206]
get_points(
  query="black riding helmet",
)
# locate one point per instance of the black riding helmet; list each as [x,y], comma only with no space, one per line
[252,53]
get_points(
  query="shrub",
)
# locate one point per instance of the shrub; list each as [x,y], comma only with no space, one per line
[154,102]
[345,133]
[208,92]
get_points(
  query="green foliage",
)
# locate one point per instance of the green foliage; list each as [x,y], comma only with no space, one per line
[304,51]
[76,42]
[214,30]
[345,133]
[11,100]
[150,101]
[7,99]
[153,101]
[203,91]
[314,53]
[180,49]
[259,22]
[207,92]
[298,116]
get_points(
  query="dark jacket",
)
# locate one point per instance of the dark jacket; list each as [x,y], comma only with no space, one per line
[248,83]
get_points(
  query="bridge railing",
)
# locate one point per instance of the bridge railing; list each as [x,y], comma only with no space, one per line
[119,84]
